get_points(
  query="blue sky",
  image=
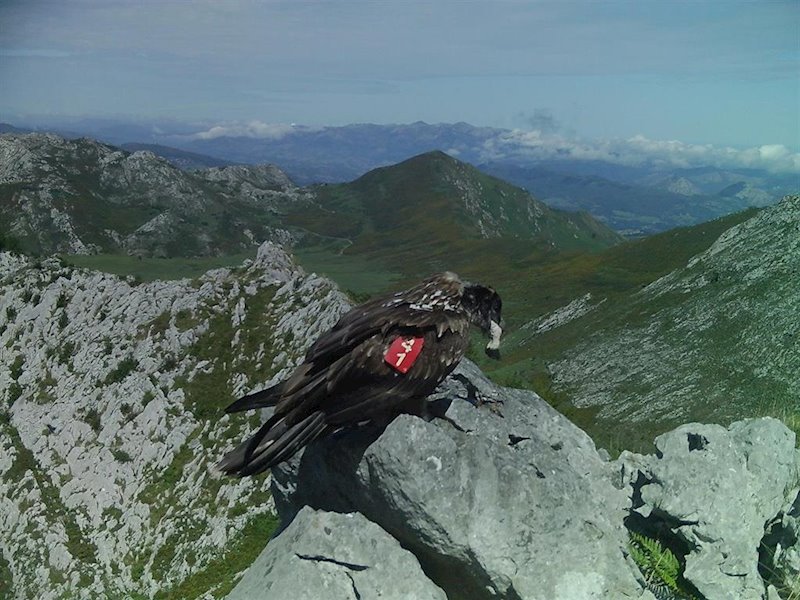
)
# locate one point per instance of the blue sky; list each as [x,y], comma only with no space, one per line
[722,73]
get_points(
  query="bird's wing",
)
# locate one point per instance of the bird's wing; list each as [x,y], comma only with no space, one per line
[362,386]
[334,353]
[370,319]
[357,387]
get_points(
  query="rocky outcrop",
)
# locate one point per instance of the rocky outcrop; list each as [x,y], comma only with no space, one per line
[336,556]
[111,398]
[510,500]
[717,490]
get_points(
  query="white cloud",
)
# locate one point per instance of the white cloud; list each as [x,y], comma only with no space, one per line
[639,150]
[253,129]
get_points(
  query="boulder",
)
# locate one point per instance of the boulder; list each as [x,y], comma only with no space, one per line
[717,489]
[507,500]
[337,556]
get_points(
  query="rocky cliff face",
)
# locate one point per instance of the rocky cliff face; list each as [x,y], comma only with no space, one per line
[516,503]
[111,415]
[83,197]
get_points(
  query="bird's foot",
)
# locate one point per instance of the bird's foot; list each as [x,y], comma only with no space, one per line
[476,398]
[493,404]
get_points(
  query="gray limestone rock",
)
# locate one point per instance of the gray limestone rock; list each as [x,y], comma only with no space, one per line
[717,489]
[519,505]
[336,556]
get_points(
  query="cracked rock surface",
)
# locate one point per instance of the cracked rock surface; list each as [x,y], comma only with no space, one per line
[338,556]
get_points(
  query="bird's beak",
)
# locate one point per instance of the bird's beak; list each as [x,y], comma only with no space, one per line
[493,347]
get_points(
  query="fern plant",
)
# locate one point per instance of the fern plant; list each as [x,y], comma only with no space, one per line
[660,567]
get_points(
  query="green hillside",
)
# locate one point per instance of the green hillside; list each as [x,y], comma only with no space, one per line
[693,324]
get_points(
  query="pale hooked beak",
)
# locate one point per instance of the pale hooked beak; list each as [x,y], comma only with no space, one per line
[493,347]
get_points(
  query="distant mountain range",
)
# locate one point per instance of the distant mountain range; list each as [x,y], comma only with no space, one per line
[189,161]
[631,208]
[635,194]
[83,197]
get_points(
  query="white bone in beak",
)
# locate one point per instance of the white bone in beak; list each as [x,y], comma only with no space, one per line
[495,331]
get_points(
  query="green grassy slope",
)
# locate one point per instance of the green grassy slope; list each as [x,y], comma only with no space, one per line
[711,341]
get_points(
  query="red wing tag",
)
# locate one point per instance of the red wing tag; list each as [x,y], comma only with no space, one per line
[403,352]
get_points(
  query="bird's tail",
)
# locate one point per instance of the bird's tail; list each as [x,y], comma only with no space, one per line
[274,442]
[261,399]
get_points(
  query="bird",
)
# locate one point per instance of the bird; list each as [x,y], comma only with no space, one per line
[381,359]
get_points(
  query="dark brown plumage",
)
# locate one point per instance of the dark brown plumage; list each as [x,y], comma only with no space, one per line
[347,379]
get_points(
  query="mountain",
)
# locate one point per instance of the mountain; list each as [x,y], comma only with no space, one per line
[629,208]
[716,338]
[188,161]
[638,199]
[432,213]
[111,417]
[84,197]
[671,195]
[9,128]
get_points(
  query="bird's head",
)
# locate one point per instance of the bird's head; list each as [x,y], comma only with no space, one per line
[483,305]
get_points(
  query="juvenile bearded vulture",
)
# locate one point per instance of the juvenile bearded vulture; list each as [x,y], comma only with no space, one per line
[381,359]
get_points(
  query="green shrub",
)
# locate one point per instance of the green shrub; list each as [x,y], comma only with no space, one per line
[149,395]
[92,417]
[121,456]
[124,368]
[9,243]
[16,367]
[14,392]
[65,352]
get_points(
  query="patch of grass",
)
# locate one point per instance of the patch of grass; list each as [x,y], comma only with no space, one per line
[66,352]
[14,392]
[125,367]
[16,367]
[219,573]
[208,393]
[166,483]
[357,274]
[92,418]
[148,397]
[62,300]
[150,269]
[184,320]
[121,456]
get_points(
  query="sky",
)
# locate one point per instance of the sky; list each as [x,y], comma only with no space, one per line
[723,73]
